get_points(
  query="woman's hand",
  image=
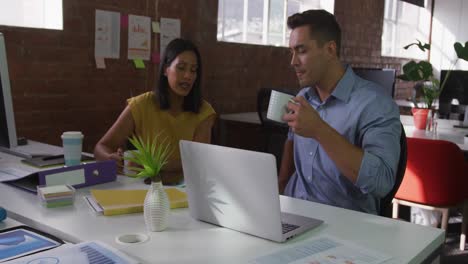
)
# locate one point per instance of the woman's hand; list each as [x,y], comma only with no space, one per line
[118,157]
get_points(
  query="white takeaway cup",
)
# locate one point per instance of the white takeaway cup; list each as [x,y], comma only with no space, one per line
[277,106]
[72,147]
[127,163]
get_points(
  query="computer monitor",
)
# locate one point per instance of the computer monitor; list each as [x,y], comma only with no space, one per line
[456,87]
[7,119]
[383,77]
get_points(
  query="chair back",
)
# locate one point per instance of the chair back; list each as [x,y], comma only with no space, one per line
[436,173]
[263,98]
[385,203]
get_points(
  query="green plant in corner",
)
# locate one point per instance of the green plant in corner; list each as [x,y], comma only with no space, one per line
[422,72]
[150,156]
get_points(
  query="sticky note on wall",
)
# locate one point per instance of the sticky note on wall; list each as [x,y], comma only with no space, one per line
[124,21]
[155,26]
[156,57]
[139,64]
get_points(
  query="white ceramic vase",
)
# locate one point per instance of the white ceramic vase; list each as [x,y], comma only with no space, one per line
[156,208]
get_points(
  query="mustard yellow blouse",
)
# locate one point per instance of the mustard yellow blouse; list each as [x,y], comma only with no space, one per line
[150,120]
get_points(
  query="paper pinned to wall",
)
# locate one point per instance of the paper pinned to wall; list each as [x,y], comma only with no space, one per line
[107,34]
[100,63]
[170,29]
[139,37]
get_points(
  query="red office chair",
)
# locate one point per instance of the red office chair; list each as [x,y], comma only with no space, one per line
[436,178]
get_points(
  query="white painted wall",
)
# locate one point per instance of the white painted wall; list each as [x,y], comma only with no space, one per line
[450,25]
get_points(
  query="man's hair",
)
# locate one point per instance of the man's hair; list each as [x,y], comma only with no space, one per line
[192,101]
[322,25]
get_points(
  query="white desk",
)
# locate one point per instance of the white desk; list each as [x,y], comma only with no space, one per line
[189,241]
[34,148]
[8,222]
[445,130]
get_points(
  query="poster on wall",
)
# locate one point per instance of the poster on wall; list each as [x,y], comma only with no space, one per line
[139,37]
[107,34]
[169,30]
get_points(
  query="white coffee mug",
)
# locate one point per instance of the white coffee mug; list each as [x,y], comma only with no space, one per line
[277,106]
[72,147]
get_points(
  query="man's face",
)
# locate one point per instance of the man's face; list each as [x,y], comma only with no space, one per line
[308,59]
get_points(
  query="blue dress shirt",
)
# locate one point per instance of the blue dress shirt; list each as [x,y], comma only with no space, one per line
[369,119]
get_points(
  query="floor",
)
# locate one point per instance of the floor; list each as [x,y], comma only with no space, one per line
[451,254]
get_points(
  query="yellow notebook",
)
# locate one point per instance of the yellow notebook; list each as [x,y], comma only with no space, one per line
[115,202]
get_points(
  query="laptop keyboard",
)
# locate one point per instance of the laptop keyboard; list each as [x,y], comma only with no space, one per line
[288,227]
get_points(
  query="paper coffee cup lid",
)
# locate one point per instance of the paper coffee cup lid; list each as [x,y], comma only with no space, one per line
[72,134]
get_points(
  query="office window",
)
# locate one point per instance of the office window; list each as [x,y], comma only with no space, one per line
[403,24]
[261,22]
[32,13]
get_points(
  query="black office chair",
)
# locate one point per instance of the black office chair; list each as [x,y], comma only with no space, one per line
[386,202]
[273,133]
[383,77]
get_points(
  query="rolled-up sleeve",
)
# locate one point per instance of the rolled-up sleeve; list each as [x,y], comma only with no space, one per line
[380,141]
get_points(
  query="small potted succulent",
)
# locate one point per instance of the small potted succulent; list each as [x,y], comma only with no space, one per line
[422,73]
[148,159]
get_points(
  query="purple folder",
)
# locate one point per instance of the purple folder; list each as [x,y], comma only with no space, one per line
[78,176]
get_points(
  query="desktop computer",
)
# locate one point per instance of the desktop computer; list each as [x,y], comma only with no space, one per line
[9,142]
[453,99]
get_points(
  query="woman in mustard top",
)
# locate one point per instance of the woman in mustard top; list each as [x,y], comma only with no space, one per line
[174,109]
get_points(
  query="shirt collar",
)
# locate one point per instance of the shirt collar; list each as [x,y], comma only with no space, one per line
[342,90]
[345,85]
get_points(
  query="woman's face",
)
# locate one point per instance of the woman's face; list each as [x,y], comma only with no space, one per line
[182,73]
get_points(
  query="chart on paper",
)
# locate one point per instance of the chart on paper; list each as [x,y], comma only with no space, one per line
[85,253]
[324,250]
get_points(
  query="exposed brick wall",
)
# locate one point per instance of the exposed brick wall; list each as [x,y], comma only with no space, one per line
[361,24]
[56,86]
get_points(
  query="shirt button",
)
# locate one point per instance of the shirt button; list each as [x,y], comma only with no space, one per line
[311,153]
[309,178]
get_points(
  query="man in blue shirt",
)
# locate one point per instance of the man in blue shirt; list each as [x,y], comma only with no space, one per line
[344,141]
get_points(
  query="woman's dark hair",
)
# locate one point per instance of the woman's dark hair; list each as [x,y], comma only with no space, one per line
[322,26]
[192,101]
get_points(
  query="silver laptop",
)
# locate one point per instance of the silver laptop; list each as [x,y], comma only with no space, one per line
[238,189]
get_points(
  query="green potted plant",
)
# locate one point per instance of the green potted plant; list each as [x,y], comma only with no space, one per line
[422,73]
[149,159]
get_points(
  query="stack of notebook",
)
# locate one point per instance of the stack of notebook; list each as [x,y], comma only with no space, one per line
[115,202]
[56,196]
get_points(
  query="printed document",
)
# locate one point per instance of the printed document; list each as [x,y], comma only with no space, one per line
[92,252]
[324,250]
